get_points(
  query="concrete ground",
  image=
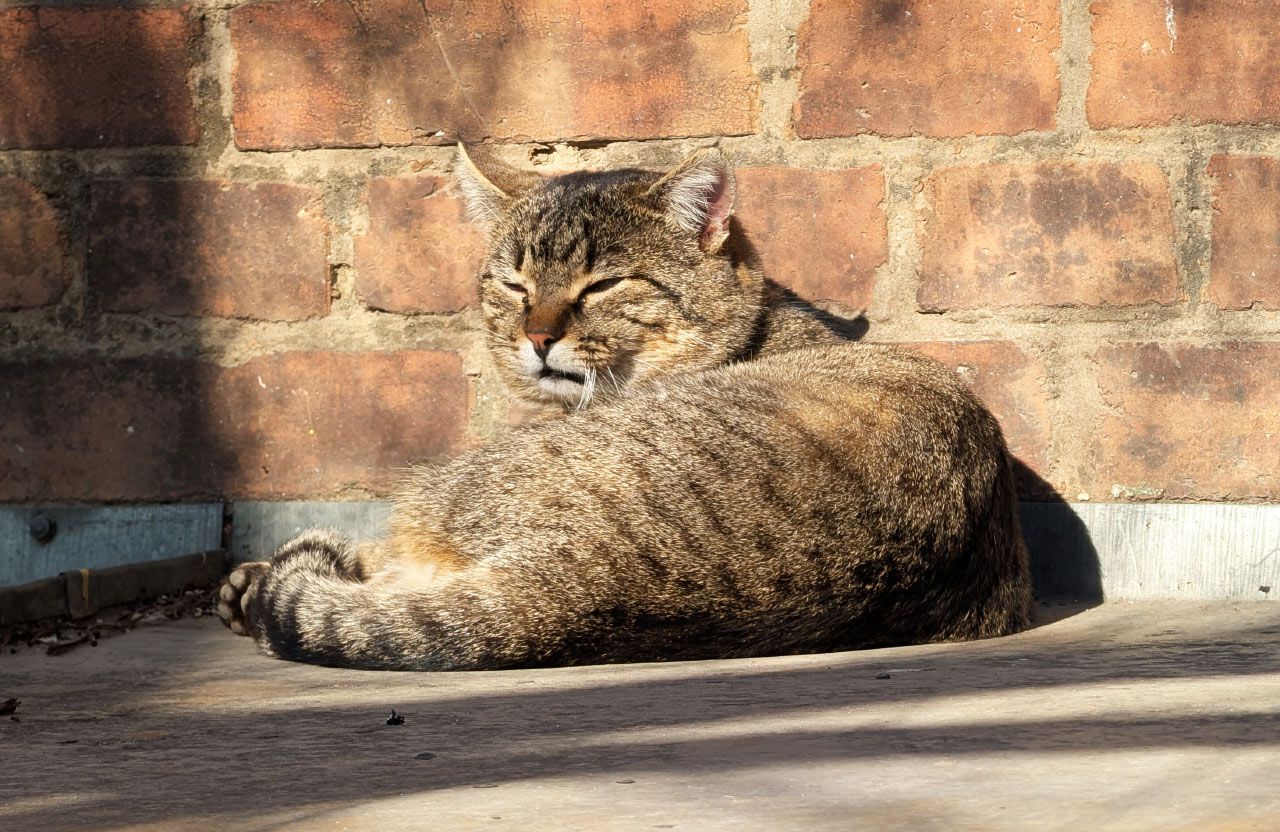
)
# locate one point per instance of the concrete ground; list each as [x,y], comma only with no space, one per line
[1125,716]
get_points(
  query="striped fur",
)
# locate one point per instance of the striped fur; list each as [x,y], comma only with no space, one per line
[740,481]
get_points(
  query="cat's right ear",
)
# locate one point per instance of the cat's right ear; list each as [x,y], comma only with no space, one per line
[698,196]
[488,192]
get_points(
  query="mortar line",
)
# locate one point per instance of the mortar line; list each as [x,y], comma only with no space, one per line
[1074,55]
[1191,223]
[312,166]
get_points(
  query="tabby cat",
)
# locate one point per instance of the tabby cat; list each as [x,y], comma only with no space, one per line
[732,476]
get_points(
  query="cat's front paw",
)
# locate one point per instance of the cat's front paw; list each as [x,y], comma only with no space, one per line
[237,595]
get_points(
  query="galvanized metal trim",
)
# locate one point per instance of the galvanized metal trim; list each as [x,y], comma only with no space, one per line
[42,541]
[258,528]
[1143,551]
[1079,551]
[1086,551]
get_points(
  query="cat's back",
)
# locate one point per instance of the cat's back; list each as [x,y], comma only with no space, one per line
[805,428]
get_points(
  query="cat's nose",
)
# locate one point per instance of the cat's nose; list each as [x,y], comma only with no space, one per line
[542,342]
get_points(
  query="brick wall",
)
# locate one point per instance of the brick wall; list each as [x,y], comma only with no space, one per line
[231,265]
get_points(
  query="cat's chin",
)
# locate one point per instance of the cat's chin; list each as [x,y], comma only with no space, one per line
[561,386]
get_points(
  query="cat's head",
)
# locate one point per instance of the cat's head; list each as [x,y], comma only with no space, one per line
[593,281]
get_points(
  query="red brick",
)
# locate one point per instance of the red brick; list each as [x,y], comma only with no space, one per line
[1190,422]
[292,425]
[821,233]
[32,253]
[927,67]
[1246,232]
[1058,234]
[201,247]
[327,73]
[95,77]
[1010,382]
[420,253]
[1155,63]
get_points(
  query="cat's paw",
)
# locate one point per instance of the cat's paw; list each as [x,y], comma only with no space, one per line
[236,597]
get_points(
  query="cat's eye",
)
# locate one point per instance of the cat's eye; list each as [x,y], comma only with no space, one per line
[515,287]
[601,286]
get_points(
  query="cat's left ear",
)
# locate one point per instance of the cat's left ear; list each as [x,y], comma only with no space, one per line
[698,196]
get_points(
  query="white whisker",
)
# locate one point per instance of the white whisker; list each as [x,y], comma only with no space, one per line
[588,388]
[616,384]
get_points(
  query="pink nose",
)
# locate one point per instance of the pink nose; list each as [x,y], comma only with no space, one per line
[542,342]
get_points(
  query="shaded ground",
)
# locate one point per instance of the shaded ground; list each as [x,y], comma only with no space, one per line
[1122,717]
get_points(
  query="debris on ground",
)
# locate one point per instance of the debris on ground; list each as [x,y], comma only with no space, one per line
[62,635]
[395,718]
[883,676]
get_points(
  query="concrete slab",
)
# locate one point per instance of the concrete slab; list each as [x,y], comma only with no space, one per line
[1127,716]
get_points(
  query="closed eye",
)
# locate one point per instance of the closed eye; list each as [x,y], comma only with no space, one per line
[601,286]
[515,287]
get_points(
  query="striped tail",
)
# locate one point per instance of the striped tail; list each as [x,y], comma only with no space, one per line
[309,604]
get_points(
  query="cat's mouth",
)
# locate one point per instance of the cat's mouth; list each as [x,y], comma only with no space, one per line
[565,386]
[561,375]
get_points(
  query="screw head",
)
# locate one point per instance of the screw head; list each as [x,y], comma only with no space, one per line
[43,528]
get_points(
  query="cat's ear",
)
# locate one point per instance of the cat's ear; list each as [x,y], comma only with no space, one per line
[488,192]
[698,197]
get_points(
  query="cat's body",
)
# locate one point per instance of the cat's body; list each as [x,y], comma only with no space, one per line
[741,480]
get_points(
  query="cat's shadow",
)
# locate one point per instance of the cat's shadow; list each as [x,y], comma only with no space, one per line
[1066,572]
[742,248]
[850,329]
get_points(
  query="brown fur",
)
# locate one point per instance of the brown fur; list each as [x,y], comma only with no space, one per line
[741,480]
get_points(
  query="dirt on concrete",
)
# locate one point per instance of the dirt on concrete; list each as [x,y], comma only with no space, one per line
[61,635]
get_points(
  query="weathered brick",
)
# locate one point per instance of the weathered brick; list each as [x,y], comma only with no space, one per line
[822,233]
[420,254]
[308,424]
[204,247]
[927,67]
[325,73]
[32,253]
[1246,232]
[1189,422]
[1057,234]
[1155,63]
[1010,381]
[95,77]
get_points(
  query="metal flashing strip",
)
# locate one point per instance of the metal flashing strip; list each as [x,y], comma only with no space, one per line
[1079,551]
[258,528]
[42,541]
[1146,551]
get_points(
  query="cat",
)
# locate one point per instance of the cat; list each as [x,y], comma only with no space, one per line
[732,476]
